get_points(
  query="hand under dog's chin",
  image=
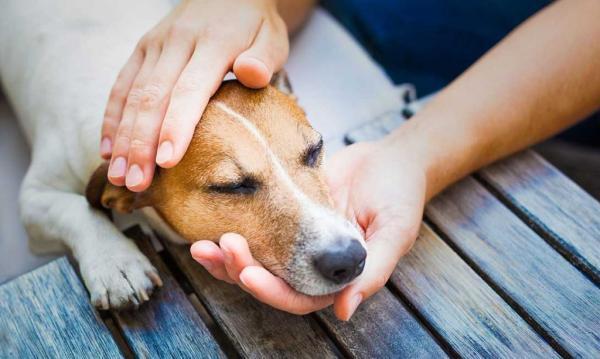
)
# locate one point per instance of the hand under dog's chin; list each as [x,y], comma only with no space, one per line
[314,286]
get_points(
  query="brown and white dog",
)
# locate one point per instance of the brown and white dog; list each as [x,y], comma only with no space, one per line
[253,167]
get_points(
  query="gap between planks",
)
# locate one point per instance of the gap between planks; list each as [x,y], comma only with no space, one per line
[505,296]
[545,233]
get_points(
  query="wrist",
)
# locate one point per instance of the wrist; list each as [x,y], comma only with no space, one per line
[442,153]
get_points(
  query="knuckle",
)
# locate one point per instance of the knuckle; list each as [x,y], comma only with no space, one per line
[123,136]
[134,96]
[180,30]
[139,145]
[186,84]
[151,37]
[151,97]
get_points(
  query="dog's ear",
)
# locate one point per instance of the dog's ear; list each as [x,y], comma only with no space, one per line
[281,82]
[101,194]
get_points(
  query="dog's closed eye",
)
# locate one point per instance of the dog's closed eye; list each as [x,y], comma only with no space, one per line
[244,186]
[312,154]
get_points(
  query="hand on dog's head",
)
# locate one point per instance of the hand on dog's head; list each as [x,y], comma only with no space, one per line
[254,167]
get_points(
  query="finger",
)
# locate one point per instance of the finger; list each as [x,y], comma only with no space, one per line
[275,292]
[150,113]
[267,54]
[116,102]
[197,83]
[210,256]
[236,254]
[384,249]
[120,153]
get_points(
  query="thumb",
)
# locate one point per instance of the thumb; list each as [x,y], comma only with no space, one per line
[384,249]
[255,66]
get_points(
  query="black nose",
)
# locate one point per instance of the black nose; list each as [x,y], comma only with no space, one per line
[342,262]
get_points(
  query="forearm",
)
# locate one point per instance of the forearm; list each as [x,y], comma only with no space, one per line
[542,78]
[295,12]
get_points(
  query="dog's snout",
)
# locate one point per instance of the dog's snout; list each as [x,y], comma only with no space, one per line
[342,262]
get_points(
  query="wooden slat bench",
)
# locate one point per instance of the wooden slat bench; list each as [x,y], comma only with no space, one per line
[506,265]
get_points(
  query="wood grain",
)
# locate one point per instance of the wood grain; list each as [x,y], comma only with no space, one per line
[554,204]
[553,293]
[167,325]
[461,307]
[47,314]
[256,330]
[382,328]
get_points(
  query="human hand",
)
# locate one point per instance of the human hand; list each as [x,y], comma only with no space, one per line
[161,92]
[381,189]
[381,186]
[232,262]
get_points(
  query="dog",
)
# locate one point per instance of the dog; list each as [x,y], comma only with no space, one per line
[254,165]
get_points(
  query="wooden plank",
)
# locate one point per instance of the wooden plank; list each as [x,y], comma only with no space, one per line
[167,325]
[47,314]
[553,204]
[256,330]
[553,293]
[382,327]
[460,307]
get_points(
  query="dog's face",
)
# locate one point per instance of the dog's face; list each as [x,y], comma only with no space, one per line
[254,167]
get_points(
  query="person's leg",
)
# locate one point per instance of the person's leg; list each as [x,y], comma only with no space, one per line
[429,42]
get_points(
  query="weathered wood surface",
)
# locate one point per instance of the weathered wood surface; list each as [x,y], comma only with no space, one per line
[167,325]
[382,328]
[255,329]
[47,314]
[552,203]
[460,306]
[553,293]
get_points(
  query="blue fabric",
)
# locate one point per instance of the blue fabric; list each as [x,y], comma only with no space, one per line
[431,42]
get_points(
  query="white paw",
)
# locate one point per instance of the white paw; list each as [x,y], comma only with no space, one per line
[118,276]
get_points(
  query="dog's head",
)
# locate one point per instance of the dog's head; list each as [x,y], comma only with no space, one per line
[254,167]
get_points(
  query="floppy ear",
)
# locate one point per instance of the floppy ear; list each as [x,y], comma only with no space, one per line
[281,82]
[101,194]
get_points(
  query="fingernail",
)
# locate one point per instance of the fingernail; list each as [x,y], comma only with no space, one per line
[354,303]
[135,176]
[105,146]
[165,152]
[118,167]
[205,263]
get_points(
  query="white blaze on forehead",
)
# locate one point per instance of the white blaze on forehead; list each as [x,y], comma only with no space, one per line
[281,172]
[323,220]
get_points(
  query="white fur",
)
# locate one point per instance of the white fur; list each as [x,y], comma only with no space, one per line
[58,60]
[321,227]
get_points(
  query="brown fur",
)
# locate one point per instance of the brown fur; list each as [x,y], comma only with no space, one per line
[223,151]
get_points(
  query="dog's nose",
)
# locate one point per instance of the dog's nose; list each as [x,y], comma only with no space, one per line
[343,262]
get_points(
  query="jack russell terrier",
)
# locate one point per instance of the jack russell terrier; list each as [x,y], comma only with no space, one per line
[253,166]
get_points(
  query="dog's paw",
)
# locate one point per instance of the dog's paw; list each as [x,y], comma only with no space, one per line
[119,276]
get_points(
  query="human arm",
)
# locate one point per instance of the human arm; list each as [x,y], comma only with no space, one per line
[540,79]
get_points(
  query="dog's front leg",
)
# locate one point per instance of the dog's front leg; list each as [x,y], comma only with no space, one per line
[114,270]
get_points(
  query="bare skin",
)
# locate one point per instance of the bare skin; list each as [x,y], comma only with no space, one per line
[542,78]
[162,91]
